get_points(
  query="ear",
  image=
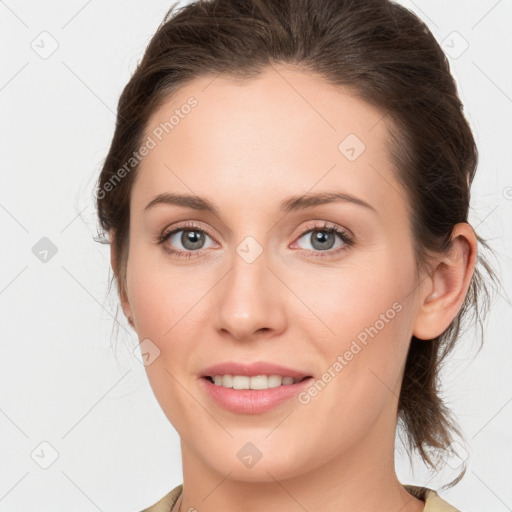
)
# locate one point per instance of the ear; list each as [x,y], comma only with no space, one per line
[123,297]
[443,293]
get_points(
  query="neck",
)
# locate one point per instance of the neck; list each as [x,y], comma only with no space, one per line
[362,479]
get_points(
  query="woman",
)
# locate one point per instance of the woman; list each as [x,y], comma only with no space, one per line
[286,197]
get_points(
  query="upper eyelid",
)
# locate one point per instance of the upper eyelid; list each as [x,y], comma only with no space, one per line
[167,233]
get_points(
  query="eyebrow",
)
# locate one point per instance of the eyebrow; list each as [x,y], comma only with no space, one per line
[290,204]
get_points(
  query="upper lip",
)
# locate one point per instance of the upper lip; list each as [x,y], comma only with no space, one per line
[251,370]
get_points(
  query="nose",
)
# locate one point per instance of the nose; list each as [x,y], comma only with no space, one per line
[250,300]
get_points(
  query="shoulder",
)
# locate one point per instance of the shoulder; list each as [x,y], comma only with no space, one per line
[433,502]
[167,502]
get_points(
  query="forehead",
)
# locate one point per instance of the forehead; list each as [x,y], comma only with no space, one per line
[265,136]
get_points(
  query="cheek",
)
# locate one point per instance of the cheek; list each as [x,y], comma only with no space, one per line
[159,295]
[343,302]
[361,326]
[166,303]
[151,307]
[162,305]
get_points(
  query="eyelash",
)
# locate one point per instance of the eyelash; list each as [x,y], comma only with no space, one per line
[326,228]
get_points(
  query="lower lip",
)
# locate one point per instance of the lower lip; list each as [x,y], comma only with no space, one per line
[252,401]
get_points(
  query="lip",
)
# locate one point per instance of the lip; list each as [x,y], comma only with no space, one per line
[251,370]
[252,401]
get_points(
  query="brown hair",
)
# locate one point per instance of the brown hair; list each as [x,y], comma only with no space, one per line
[388,57]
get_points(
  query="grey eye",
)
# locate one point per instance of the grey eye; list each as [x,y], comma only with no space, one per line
[322,239]
[190,239]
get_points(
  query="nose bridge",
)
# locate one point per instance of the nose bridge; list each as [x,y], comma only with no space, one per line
[249,298]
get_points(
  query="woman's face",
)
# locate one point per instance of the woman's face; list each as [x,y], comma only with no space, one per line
[256,283]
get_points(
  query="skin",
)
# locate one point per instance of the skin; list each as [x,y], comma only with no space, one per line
[246,147]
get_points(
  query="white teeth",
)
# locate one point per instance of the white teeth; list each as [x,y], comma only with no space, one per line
[256,382]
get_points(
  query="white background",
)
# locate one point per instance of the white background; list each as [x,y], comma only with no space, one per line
[60,381]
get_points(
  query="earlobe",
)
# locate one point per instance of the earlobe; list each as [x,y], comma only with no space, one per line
[445,290]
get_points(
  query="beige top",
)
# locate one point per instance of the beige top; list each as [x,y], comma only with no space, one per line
[433,502]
